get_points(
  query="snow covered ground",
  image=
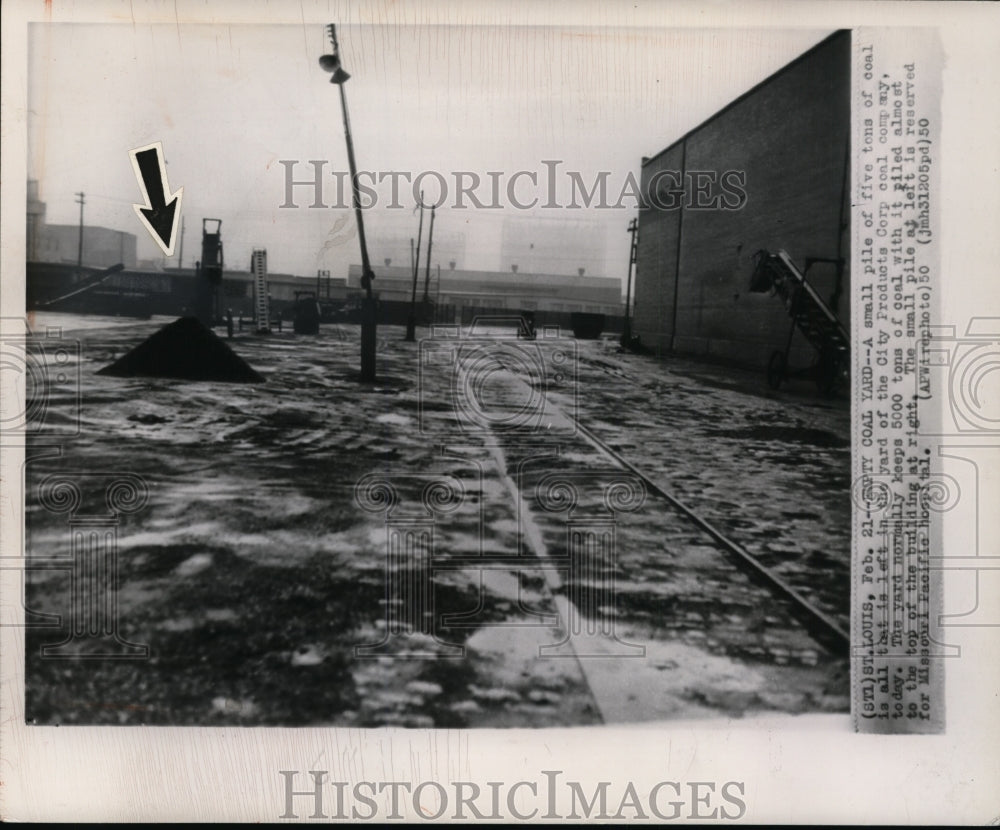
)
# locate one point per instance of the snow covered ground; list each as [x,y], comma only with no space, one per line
[443,548]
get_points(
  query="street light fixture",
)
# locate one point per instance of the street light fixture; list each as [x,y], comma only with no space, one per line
[331,63]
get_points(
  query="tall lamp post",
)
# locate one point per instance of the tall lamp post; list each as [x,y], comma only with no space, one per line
[331,64]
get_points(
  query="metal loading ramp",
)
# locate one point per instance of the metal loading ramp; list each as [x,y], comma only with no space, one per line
[778,274]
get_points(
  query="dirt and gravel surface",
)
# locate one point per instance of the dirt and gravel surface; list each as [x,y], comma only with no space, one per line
[314,551]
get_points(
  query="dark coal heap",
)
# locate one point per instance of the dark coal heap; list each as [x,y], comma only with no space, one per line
[187,350]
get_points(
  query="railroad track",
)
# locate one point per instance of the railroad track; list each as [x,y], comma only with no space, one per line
[827,631]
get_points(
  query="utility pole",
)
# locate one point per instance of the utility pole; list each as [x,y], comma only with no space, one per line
[430,241]
[633,228]
[79,250]
[437,294]
[180,255]
[411,320]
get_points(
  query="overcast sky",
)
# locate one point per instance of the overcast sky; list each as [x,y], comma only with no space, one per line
[228,103]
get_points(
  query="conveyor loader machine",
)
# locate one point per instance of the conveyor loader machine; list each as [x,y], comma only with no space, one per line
[209,299]
[810,315]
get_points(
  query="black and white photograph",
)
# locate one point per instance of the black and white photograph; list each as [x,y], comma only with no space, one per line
[510,379]
[579,456]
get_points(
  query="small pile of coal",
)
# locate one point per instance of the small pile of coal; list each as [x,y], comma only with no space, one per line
[188,350]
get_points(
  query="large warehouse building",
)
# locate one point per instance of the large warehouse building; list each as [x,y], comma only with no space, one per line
[497,291]
[785,147]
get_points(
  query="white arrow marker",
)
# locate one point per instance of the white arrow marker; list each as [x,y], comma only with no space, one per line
[159,216]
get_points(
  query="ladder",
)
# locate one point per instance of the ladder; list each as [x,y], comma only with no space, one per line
[261,307]
[810,315]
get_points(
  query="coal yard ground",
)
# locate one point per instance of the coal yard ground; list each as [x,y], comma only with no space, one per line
[496,533]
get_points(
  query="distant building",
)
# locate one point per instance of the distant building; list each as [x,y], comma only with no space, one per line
[102,247]
[497,290]
[138,291]
[447,246]
[787,140]
[238,287]
[540,245]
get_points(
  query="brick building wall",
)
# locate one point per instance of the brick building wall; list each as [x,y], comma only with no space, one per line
[789,136]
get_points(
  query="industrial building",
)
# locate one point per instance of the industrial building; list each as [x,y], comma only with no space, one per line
[141,292]
[458,294]
[94,245]
[552,245]
[769,171]
[399,248]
